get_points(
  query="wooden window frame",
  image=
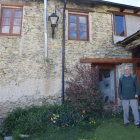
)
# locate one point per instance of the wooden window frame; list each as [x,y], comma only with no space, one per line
[109,66]
[115,24]
[124,13]
[77,25]
[11,22]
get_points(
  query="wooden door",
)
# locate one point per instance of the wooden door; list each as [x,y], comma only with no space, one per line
[136,66]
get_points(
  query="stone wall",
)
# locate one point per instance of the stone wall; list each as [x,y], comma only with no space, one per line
[26,78]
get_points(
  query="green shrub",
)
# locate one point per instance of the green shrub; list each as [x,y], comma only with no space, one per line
[27,120]
[3,131]
[42,119]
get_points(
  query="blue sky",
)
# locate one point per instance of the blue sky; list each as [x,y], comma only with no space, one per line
[128,2]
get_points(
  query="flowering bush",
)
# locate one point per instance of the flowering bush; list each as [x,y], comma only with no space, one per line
[3,131]
[83,90]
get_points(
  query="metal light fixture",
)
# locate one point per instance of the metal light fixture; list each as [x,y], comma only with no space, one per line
[54,19]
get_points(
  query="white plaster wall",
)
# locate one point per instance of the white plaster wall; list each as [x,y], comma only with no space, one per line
[30,87]
[132,24]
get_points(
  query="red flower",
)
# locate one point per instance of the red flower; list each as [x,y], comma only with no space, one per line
[72,116]
[47,116]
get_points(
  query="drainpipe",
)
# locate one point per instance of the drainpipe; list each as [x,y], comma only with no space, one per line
[63,52]
[45,32]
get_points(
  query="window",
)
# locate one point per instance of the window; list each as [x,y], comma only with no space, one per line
[11,22]
[119,25]
[78,27]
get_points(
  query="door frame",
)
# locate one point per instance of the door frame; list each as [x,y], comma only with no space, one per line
[135,60]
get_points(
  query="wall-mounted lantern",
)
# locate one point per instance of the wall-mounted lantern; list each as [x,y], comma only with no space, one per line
[54,19]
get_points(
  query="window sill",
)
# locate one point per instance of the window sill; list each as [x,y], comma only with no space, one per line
[78,40]
[10,36]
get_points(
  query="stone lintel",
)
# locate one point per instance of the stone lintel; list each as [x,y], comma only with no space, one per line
[106,61]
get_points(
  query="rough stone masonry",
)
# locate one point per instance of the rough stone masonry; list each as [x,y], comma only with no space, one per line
[25,78]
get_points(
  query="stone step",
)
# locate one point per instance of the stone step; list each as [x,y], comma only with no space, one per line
[11,138]
[8,138]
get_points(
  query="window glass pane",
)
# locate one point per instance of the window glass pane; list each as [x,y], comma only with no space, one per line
[82,19]
[136,52]
[73,26]
[72,18]
[5,29]
[119,25]
[138,64]
[82,35]
[17,21]
[16,30]
[73,34]
[82,27]
[6,21]
[18,13]
[7,13]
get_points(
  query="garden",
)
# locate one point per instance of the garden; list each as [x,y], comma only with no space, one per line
[81,117]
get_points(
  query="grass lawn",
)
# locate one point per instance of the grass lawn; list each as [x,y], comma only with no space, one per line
[111,129]
[71,134]
[114,130]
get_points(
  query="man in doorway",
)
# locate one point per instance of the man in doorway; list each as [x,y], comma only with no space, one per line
[128,92]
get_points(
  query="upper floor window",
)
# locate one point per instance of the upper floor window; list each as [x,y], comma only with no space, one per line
[78,27]
[11,22]
[120,29]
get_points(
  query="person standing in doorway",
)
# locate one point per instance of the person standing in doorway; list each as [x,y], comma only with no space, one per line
[128,92]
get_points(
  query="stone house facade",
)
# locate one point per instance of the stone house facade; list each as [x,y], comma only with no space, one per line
[97,32]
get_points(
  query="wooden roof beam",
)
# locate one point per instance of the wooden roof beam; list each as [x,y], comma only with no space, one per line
[122,9]
[93,4]
[132,45]
[136,11]
[105,61]
[77,2]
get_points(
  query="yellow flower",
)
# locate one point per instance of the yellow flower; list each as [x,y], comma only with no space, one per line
[51,119]
[110,123]
[89,122]
[91,139]
[94,122]
[112,114]
[83,116]
[53,114]
[84,111]
[57,116]
[77,121]
[95,138]
[67,125]
[113,110]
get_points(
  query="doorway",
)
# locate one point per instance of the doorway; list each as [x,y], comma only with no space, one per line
[107,82]
[136,66]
